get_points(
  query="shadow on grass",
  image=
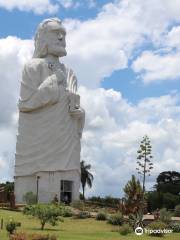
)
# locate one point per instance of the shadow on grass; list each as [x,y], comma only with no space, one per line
[46,229]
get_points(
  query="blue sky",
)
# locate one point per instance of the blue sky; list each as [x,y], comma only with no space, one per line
[126,57]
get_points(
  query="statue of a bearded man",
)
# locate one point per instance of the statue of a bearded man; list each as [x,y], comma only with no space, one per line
[50,121]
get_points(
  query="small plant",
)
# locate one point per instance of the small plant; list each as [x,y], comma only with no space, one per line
[83,215]
[116,219]
[18,236]
[125,229]
[175,227]
[165,216]
[157,226]
[30,198]
[101,216]
[177,211]
[11,226]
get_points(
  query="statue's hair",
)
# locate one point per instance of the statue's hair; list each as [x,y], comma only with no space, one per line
[40,43]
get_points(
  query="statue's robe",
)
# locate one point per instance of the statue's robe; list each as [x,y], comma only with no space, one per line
[48,136]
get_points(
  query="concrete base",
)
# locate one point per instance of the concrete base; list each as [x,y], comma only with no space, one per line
[46,185]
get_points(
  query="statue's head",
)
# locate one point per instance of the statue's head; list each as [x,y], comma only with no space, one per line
[50,39]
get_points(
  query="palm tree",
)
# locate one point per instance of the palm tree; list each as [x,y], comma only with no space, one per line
[86,176]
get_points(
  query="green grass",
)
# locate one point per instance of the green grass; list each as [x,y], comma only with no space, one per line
[73,229]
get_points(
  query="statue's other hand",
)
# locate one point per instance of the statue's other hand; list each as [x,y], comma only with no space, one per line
[74,101]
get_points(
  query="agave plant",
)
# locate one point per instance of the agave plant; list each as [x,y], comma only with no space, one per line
[136,220]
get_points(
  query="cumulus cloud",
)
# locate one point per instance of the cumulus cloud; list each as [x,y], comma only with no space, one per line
[14,53]
[106,43]
[155,67]
[173,38]
[114,129]
[37,6]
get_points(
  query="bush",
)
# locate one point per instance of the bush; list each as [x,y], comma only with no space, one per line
[107,201]
[42,237]
[177,211]
[83,215]
[28,210]
[23,236]
[78,205]
[125,229]
[18,236]
[101,216]
[165,216]
[175,227]
[157,225]
[30,198]
[67,212]
[11,226]
[116,219]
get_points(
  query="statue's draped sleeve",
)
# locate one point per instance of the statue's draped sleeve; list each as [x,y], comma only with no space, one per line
[37,92]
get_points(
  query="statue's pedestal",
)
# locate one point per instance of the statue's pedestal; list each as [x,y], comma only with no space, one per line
[47,184]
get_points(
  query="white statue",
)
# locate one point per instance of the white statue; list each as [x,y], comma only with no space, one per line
[50,121]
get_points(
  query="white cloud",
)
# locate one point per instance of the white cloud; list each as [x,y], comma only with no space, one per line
[2,163]
[14,53]
[104,44]
[37,6]
[173,38]
[154,67]
[66,3]
[73,4]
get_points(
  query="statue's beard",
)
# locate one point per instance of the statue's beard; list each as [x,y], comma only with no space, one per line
[62,52]
[58,51]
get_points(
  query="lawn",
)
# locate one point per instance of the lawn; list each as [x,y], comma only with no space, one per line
[73,229]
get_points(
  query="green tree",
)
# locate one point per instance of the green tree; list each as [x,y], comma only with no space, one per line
[168,181]
[86,176]
[170,200]
[160,200]
[8,188]
[133,194]
[154,200]
[45,213]
[144,158]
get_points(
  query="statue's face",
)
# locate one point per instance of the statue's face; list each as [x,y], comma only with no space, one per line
[56,40]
